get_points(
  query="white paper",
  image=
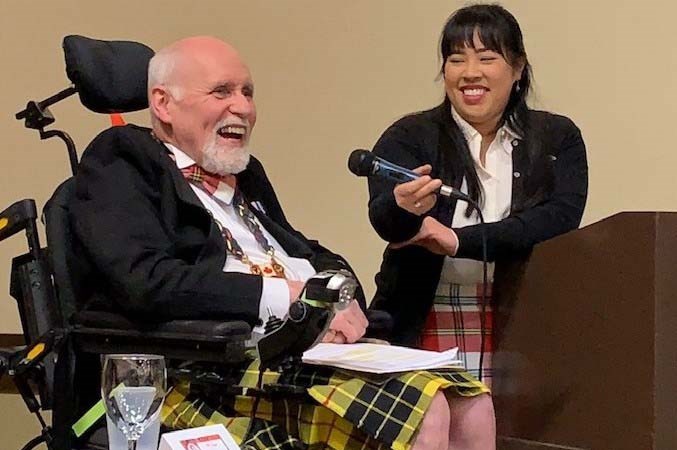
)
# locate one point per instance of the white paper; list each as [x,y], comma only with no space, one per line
[376,358]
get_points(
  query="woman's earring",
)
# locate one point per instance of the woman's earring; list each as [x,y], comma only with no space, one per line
[517,86]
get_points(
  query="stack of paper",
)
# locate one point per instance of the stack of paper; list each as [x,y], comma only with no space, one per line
[375,358]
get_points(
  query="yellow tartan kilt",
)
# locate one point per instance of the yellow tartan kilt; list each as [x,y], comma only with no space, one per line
[344,410]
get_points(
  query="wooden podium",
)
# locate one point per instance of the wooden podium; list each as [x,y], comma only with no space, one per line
[586,339]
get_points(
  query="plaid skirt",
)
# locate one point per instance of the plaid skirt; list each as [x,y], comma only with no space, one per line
[455,320]
[341,411]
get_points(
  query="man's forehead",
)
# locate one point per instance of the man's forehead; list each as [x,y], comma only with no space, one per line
[215,71]
[232,77]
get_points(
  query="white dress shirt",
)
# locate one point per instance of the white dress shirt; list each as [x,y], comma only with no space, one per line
[496,183]
[275,293]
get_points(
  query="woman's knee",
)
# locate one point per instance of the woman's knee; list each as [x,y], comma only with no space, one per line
[434,430]
[472,417]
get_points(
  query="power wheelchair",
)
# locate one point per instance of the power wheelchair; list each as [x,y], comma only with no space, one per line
[63,344]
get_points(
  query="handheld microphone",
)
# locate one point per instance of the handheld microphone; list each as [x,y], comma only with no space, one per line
[364,163]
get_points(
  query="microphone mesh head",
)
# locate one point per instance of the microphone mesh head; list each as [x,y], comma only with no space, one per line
[360,162]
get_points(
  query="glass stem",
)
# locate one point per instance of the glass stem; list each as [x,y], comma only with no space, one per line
[131,444]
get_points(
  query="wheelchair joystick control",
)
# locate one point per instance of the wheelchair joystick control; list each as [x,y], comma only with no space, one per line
[273,323]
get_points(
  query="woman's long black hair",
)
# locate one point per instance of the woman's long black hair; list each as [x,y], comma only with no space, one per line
[498,31]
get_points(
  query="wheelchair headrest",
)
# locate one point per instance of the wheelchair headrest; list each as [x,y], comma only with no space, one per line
[110,76]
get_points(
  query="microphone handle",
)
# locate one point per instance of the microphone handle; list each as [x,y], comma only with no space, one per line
[392,171]
[399,174]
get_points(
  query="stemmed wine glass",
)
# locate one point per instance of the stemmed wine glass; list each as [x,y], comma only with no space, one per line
[133,387]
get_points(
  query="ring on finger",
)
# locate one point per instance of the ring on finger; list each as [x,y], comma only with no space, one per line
[417,204]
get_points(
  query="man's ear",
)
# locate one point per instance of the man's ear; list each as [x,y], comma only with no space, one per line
[158,102]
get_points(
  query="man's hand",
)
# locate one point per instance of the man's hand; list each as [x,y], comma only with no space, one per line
[347,326]
[435,237]
[295,288]
[418,196]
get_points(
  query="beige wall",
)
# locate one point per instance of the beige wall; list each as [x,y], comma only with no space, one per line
[330,76]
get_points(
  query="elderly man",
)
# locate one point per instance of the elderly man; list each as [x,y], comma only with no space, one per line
[181,222]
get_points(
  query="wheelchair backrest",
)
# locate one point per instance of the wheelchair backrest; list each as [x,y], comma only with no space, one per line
[69,271]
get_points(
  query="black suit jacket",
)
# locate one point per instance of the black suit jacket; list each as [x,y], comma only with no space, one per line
[153,251]
[548,197]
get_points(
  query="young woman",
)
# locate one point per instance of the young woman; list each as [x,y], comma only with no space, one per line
[526,169]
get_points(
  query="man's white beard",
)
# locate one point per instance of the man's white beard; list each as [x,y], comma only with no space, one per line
[224,161]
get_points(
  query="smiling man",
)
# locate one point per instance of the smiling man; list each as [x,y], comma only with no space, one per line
[180,222]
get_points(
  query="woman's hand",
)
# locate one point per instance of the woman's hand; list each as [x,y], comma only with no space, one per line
[433,236]
[418,196]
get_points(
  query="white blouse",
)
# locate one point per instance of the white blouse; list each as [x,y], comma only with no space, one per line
[496,182]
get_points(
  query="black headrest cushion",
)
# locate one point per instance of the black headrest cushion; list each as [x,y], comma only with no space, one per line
[110,76]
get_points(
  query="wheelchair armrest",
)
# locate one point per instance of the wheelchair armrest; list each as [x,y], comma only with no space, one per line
[195,340]
[17,217]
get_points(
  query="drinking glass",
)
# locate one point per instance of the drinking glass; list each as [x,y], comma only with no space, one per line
[133,387]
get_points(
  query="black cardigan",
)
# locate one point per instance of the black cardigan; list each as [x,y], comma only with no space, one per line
[548,197]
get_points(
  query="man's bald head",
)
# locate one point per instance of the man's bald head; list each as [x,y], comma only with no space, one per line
[174,62]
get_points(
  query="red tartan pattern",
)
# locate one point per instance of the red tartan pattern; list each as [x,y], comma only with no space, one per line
[208,181]
[455,321]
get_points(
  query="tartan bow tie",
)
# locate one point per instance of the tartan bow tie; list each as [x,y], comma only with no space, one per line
[210,182]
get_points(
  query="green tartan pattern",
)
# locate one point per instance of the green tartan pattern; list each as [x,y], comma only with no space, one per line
[352,411]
